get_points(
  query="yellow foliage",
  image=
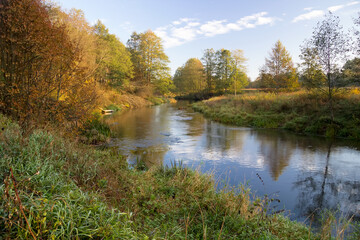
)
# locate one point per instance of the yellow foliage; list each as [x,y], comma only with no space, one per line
[354,91]
[109,96]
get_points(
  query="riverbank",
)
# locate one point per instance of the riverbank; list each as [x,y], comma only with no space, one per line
[94,131]
[301,112]
[57,188]
[117,100]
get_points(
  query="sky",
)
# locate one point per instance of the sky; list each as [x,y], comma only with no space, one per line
[188,27]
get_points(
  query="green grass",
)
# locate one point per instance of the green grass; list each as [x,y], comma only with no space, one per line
[52,205]
[72,191]
[94,130]
[300,112]
[113,107]
[157,100]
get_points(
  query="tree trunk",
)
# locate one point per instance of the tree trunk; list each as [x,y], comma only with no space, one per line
[330,96]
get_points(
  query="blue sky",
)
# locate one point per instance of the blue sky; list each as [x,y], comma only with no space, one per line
[188,27]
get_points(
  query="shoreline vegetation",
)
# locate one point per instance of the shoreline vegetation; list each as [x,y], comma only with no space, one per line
[94,131]
[55,188]
[57,70]
[301,112]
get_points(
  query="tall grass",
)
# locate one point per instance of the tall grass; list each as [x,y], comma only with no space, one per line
[54,188]
[41,201]
[301,112]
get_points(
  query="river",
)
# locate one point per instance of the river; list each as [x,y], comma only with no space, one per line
[306,174]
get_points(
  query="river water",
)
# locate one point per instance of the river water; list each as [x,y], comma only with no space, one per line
[306,174]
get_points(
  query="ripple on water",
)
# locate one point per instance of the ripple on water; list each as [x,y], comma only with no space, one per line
[307,173]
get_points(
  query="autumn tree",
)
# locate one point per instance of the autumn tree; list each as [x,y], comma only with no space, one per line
[280,66]
[223,70]
[114,61]
[209,62]
[42,75]
[264,80]
[177,79]
[148,56]
[351,72]
[190,78]
[238,75]
[150,61]
[330,44]
[312,76]
[218,71]
[77,91]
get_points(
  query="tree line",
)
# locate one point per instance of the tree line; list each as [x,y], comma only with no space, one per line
[217,72]
[52,61]
[324,60]
[323,67]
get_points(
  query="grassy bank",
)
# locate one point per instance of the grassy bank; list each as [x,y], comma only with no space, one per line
[117,99]
[94,131]
[53,188]
[301,112]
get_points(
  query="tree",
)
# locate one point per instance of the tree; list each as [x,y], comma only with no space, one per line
[113,59]
[190,78]
[280,66]
[357,33]
[209,62]
[148,56]
[238,75]
[279,61]
[44,74]
[331,47]
[312,76]
[222,70]
[351,71]
[163,82]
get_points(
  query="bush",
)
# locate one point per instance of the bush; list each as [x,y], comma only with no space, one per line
[95,131]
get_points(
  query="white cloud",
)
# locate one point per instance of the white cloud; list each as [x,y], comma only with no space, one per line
[185,33]
[187,29]
[193,24]
[213,28]
[352,3]
[335,8]
[309,15]
[234,26]
[264,20]
[182,20]
[319,13]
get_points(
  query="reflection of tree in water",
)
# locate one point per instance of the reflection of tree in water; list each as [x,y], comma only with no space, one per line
[150,156]
[321,190]
[195,125]
[278,147]
[222,137]
[139,123]
[277,150]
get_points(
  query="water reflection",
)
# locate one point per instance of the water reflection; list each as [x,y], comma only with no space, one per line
[276,150]
[324,189]
[307,174]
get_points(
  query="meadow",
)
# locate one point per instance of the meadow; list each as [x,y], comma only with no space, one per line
[302,112]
